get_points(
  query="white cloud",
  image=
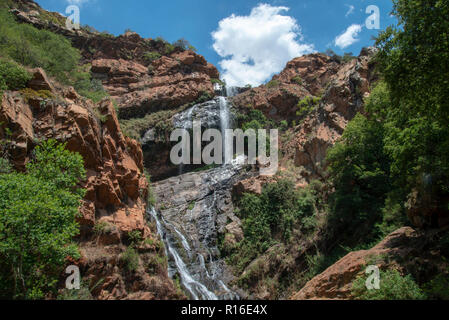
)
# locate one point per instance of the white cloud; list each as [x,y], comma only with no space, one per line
[350,10]
[348,37]
[255,47]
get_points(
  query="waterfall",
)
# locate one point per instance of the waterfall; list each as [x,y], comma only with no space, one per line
[195,288]
[195,256]
[186,126]
[224,123]
[231,91]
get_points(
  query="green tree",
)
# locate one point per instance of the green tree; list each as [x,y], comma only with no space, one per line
[37,221]
[359,170]
[414,62]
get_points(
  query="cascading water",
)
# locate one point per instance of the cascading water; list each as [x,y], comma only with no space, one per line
[224,124]
[195,288]
[185,127]
[190,234]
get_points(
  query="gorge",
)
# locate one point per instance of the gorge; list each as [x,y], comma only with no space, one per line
[346,195]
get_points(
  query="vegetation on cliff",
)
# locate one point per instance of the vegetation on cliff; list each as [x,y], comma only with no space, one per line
[389,169]
[37,223]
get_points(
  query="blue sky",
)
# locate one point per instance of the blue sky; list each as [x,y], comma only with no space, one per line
[250,46]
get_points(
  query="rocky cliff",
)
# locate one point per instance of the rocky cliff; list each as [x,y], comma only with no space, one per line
[116,188]
[332,93]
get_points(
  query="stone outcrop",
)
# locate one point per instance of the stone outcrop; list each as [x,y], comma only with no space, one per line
[116,189]
[178,77]
[404,250]
[168,82]
[114,164]
[339,89]
[304,76]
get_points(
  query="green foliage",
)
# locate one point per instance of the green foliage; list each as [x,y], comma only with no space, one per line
[135,237]
[88,87]
[348,56]
[151,56]
[12,76]
[297,80]
[151,200]
[214,81]
[413,60]
[53,163]
[283,125]
[169,48]
[102,228]
[438,287]
[32,47]
[393,286]
[191,206]
[359,171]
[307,105]
[5,166]
[204,96]
[38,221]
[271,216]
[273,84]
[183,44]
[130,258]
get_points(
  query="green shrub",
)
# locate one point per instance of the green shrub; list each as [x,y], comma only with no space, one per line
[169,48]
[393,286]
[135,237]
[271,216]
[13,76]
[151,56]
[88,87]
[438,287]
[273,84]
[102,228]
[283,125]
[359,170]
[5,166]
[307,105]
[297,80]
[130,258]
[38,221]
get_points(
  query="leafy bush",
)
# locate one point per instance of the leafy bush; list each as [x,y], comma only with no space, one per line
[359,170]
[393,286]
[183,44]
[5,166]
[102,228]
[130,258]
[438,287]
[307,105]
[38,221]
[32,47]
[13,76]
[88,87]
[412,60]
[135,237]
[151,56]
[273,84]
[297,80]
[271,216]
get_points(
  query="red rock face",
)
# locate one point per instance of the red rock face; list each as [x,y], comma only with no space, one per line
[302,77]
[341,89]
[116,187]
[114,164]
[168,83]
